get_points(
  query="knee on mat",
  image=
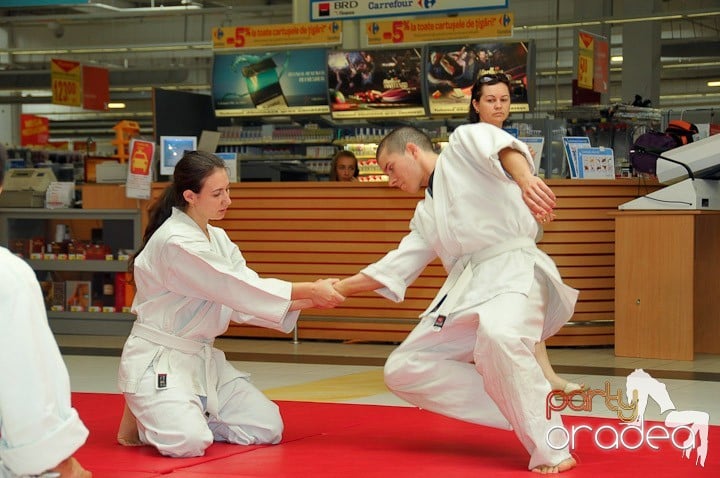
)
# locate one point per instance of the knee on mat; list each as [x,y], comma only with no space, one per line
[183,444]
[271,432]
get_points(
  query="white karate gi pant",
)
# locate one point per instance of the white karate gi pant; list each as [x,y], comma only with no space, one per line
[503,388]
[174,420]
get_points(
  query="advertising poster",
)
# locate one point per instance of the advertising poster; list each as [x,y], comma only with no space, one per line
[451,70]
[139,178]
[375,83]
[34,130]
[266,83]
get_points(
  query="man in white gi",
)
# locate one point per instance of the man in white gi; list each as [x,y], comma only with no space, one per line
[471,355]
[39,429]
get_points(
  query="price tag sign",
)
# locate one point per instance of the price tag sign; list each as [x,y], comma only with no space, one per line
[586,67]
[66,79]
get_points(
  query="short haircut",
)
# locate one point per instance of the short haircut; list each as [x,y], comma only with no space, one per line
[397,139]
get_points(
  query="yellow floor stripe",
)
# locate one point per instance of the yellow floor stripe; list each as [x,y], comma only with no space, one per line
[346,387]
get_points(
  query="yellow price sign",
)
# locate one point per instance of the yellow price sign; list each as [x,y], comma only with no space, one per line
[66,82]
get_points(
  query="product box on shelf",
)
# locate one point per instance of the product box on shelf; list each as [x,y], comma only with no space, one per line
[79,294]
[58,297]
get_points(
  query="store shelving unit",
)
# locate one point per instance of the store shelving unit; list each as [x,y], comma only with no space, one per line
[308,147]
[121,230]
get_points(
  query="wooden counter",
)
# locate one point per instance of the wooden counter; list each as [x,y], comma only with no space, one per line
[667,299]
[300,231]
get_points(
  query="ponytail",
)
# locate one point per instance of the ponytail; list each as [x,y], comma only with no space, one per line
[190,174]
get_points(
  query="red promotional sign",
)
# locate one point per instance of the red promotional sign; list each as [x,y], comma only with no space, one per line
[34,130]
[96,88]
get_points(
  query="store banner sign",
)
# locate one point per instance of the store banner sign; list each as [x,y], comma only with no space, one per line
[586,60]
[592,62]
[601,60]
[285,34]
[41,3]
[96,88]
[323,10]
[66,82]
[34,130]
[439,29]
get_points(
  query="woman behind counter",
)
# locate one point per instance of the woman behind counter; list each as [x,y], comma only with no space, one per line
[344,166]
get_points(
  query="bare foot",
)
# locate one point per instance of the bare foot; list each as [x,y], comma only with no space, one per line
[128,431]
[557,383]
[564,465]
[71,468]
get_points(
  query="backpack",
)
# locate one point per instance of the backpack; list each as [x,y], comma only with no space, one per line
[681,131]
[648,146]
[643,154]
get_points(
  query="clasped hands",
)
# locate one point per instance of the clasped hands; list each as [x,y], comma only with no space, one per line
[324,294]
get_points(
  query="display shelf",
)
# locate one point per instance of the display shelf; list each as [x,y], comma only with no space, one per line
[121,230]
[78,265]
[261,141]
[91,323]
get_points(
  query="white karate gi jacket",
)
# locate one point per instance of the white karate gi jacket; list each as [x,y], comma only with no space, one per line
[38,426]
[192,287]
[474,206]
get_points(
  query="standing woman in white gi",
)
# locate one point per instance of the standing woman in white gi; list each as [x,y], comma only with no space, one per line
[39,428]
[192,281]
[471,356]
[490,104]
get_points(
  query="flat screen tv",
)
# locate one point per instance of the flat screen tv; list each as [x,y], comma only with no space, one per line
[451,70]
[284,82]
[182,113]
[375,83]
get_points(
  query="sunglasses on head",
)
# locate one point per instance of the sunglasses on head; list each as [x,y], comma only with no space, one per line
[493,79]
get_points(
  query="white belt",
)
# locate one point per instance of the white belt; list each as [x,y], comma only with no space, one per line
[461,274]
[187,346]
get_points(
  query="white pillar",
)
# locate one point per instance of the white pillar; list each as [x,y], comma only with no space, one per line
[641,53]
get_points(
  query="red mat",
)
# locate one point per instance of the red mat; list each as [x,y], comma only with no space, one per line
[338,440]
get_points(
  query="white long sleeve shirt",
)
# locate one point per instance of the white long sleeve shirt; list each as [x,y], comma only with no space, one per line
[38,426]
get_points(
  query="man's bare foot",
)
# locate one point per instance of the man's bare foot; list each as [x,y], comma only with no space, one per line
[128,431]
[71,468]
[564,465]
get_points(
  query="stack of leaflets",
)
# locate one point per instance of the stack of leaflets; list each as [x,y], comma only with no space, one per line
[586,162]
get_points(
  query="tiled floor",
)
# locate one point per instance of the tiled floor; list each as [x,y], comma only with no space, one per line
[352,373]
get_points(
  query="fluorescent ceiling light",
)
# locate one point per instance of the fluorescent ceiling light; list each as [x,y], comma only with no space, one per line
[616,59]
[646,19]
[116,106]
[713,83]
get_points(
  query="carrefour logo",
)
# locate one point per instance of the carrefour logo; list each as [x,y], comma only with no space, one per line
[426,3]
